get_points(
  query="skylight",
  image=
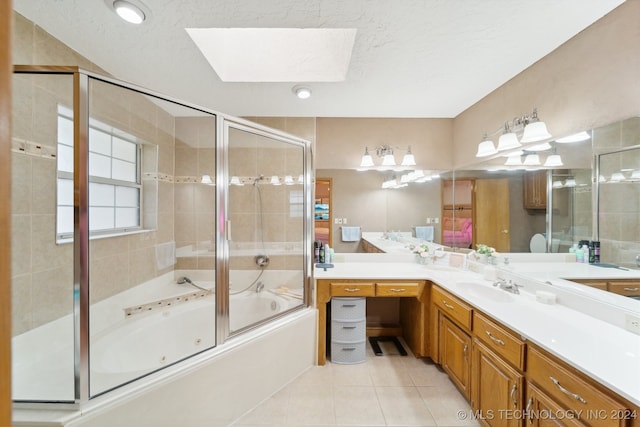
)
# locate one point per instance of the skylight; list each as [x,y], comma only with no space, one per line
[276,54]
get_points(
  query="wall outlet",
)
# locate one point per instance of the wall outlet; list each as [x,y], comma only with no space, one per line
[632,323]
[344,220]
[338,220]
[436,220]
[428,220]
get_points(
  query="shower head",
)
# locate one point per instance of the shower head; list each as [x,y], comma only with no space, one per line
[184,279]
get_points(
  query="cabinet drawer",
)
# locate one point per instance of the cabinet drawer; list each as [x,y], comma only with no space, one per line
[452,307]
[397,289]
[348,353]
[508,346]
[625,288]
[570,390]
[354,289]
[348,331]
[348,309]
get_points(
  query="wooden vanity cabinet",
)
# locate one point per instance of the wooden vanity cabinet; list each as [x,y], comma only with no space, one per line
[412,294]
[627,288]
[573,392]
[497,373]
[497,388]
[543,411]
[451,337]
[535,190]
[455,355]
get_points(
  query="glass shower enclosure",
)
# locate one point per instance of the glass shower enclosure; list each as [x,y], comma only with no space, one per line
[145,230]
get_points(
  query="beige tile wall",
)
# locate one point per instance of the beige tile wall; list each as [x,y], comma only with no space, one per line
[42,282]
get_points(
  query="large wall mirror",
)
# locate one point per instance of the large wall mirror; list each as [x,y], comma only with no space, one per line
[593,195]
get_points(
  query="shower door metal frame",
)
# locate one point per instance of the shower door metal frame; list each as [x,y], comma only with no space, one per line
[224,225]
[81,80]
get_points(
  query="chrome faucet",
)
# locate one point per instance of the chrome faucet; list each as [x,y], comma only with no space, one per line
[507,286]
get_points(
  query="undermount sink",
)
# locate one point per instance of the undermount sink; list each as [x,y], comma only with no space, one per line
[483,291]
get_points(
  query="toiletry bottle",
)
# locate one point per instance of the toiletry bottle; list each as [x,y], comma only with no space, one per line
[327,253]
[316,252]
[579,255]
[592,253]
[596,252]
[585,254]
[331,255]
[321,256]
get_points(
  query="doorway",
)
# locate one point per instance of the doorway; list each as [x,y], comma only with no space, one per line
[491,213]
[323,231]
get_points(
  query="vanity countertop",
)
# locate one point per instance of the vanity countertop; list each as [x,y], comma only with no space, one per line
[607,353]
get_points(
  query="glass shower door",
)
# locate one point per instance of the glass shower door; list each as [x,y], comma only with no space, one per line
[266,206]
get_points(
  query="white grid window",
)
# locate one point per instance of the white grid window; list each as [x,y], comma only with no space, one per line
[115,190]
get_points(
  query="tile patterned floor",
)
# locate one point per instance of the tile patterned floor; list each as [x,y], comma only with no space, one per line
[389,390]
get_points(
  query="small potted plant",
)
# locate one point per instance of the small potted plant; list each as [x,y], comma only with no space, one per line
[485,254]
[422,253]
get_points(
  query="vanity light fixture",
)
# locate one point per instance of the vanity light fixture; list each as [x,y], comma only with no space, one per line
[388,160]
[557,184]
[617,177]
[540,147]
[486,147]
[571,182]
[236,181]
[300,179]
[508,139]
[206,179]
[531,160]
[408,159]
[576,137]
[535,130]
[275,180]
[129,11]
[514,160]
[635,175]
[553,160]
[288,180]
[530,127]
[302,92]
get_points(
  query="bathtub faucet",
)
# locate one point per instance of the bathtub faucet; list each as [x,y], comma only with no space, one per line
[184,279]
[259,287]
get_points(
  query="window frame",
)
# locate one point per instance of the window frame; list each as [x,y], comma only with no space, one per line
[64,237]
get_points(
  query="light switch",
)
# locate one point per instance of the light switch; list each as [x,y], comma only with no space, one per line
[338,221]
[436,220]
[344,220]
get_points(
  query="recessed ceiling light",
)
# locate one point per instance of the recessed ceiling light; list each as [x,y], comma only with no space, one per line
[302,92]
[129,11]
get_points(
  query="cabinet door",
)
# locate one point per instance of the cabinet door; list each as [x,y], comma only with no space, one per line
[497,389]
[455,357]
[535,190]
[542,411]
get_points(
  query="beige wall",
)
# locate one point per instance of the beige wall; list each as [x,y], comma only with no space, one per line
[42,271]
[358,197]
[341,141]
[589,81]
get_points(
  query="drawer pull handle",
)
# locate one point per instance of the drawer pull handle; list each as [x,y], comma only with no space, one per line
[348,327]
[449,306]
[397,290]
[464,350]
[348,305]
[631,289]
[512,395]
[352,289]
[567,392]
[494,339]
[528,409]
[348,349]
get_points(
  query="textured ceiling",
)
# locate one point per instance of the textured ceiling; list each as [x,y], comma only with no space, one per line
[428,58]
